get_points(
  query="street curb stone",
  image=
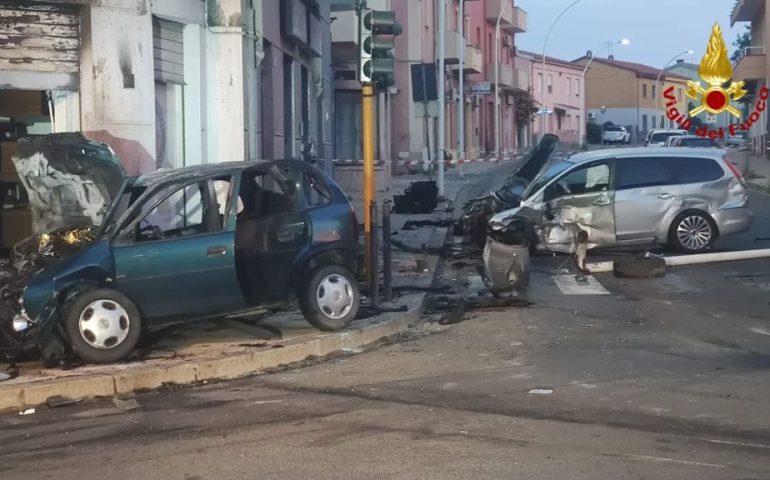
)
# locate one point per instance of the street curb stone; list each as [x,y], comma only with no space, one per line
[126,381]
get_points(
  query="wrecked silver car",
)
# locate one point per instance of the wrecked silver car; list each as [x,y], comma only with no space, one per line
[685,198]
[477,212]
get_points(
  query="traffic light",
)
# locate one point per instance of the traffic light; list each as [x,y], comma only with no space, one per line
[377,32]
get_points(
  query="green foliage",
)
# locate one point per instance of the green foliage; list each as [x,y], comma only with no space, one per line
[526,108]
[743,41]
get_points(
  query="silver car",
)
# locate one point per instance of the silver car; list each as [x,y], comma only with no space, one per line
[686,198]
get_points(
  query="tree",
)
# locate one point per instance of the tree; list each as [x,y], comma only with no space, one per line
[526,107]
[743,41]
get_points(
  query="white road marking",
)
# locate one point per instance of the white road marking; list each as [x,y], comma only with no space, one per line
[672,460]
[569,286]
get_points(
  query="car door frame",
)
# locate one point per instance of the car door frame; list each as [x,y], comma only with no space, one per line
[561,235]
[227,284]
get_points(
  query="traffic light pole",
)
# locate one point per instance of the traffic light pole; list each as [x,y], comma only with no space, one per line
[367,114]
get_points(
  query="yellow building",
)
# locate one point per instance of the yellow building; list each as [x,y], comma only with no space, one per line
[626,93]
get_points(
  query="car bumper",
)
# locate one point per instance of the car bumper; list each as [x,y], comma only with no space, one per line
[732,221]
[505,266]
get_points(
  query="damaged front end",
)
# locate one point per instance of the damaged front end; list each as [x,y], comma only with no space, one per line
[478,211]
[71,183]
[506,254]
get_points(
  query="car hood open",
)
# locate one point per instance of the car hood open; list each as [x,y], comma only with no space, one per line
[71,181]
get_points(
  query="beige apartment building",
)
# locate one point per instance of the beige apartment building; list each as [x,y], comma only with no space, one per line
[626,93]
[752,66]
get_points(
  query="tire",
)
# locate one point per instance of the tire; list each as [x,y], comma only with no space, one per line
[693,232]
[102,325]
[330,298]
[654,267]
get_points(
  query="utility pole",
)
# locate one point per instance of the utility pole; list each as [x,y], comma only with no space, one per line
[503,4]
[441,95]
[461,103]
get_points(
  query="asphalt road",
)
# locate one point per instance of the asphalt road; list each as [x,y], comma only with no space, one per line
[638,379]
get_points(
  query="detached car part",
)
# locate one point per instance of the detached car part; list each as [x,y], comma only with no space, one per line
[506,255]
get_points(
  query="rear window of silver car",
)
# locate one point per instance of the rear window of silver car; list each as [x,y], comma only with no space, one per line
[656,171]
[663,136]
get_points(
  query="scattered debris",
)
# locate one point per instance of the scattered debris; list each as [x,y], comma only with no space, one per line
[444,304]
[541,391]
[126,405]
[419,197]
[61,401]
[352,351]
[29,411]
[459,265]
[413,224]
[4,376]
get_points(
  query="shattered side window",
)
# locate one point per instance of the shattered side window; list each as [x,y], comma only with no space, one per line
[181,214]
[589,179]
[315,192]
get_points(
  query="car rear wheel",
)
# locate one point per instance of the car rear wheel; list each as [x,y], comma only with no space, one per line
[330,298]
[693,232]
[102,325]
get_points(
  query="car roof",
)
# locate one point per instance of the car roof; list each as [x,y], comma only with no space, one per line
[688,137]
[191,172]
[606,154]
[667,130]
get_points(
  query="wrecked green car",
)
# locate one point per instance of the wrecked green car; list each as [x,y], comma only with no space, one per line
[113,256]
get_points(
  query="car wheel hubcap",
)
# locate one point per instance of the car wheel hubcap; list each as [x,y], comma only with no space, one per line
[335,296]
[694,232]
[104,324]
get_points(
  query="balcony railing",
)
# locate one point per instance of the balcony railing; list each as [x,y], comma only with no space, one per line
[752,63]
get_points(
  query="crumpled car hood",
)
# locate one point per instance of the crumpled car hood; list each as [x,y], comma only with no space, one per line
[71,181]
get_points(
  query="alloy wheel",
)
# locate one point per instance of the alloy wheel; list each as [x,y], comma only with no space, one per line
[694,232]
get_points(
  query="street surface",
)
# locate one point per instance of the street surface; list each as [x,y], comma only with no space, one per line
[633,379]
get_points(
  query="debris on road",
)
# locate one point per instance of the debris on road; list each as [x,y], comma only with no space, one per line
[413,224]
[61,401]
[29,411]
[126,405]
[419,197]
[444,304]
[541,391]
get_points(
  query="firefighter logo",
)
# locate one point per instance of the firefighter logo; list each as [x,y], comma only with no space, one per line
[715,69]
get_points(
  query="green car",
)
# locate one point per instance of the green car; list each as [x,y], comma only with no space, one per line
[177,245]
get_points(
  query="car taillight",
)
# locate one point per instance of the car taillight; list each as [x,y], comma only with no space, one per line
[731,166]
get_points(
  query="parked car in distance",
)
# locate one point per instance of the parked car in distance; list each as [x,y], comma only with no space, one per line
[658,137]
[614,134]
[196,242]
[683,197]
[692,141]
[738,140]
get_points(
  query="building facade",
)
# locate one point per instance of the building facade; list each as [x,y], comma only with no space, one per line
[408,130]
[626,94]
[752,66]
[559,91]
[169,83]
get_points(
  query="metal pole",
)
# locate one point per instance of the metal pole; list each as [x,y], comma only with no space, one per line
[461,105]
[441,95]
[374,271]
[387,270]
[367,112]
[497,78]
[542,80]
[660,90]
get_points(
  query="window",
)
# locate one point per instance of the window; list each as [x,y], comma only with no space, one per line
[588,179]
[643,172]
[569,87]
[223,190]
[654,120]
[644,90]
[267,193]
[539,85]
[679,94]
[577,87]
[314,191]
[697,170]
[478,37]
[490,50]
[550,83]
[654,91]
[181,214]
[644,123]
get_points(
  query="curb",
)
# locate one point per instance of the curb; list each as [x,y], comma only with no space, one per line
[126,381]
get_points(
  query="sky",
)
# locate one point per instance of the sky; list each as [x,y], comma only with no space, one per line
[658,29]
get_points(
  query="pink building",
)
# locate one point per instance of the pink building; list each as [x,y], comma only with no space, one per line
[564,96]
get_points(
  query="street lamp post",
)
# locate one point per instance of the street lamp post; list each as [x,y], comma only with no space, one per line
[660,74]
[583,101]
[542,80]
[503,4]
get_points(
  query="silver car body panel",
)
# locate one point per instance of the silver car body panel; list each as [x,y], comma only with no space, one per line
[640,216]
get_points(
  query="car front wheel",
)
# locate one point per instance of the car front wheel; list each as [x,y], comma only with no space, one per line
[102,325]
[693,232]
[330,298]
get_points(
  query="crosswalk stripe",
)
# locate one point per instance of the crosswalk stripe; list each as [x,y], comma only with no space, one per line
[569,285]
